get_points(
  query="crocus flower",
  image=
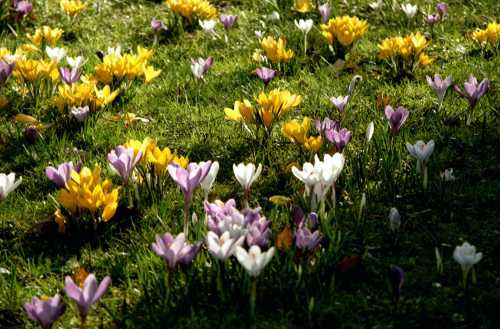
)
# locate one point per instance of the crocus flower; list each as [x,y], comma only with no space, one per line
[409,10]
[55,54]
[31,134]
[200,66]
[265,74]
[394,219]
[8,184]
[396,278]
[224,217]
[473,90]
[326,125]
[80,113]
[466,256]
[75,62]
[189,179]
[442,8]
[304,25]
[158,26]
[396,118]
[432,19]
[228,20]
[88,295]
[222,247]
[369,132]
[23,8]
[246,175]
[208,25]
[325,10]
[340,102]
[209,180]
[259,34]
[175,250]
[45,311]
[123,161]
[254,260]
[376,5]
[440,86]
[340,138]
[421,151]
[69,76]
[259,228]
[61,174]
[5,71]
[307,235]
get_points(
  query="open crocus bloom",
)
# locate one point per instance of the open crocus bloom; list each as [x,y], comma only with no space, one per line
[254,260]
[222,247]
[246,175]
[439,85]
[200,66]
[396,118]
[88,295]
[123,161]
[189,179]
[175,250]
[45,310]
[8,184]
[61,174]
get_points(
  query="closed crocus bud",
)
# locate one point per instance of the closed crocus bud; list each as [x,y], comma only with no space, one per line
[8,184]
[467,256]
[80,113]
[228,20]
[60,175]
[45,310]
[369,132]
[209,180]
[265,74]
[31,134]
[246,174]
[432,19]
[340,102]
[409,10]
[396,278]
[396,118]
[325,10]
[442,8]
[23,8]
[394,219]
[157,25]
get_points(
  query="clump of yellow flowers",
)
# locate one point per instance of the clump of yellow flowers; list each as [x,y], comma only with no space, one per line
[488,35]
[303,6]
[408,49]
[191,9]
[297,132]
[117,67]
[346,30]
[85,191]
[272,106]
[72,7]
[276,50]
[46,35]
[84,93]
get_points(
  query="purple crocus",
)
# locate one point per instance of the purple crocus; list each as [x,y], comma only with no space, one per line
[340,102]
[228,20]
[307,234]
[5,71]
[473,90]
[325,10]
[340,138]
[31,133]
[189,179]
[200,66]
[442,8]
[396,118]
[439,85]
[158,26]
[123,161]
[175,250]
[396,278]
[265,74]
[69,76]
[45,311]
[88,295]
[224,217]
[432,19]
[258,228]
[23,8]
[80,113]
[326,125]
[61,174]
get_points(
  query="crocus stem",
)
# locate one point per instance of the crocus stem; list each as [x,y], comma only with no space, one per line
[425,176]
[219,279]
[186,217]
[305,44]
[82,322]
[247,197]
[253,296]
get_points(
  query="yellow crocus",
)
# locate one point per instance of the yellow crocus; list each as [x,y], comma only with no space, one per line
[242,111]
[191,9]
[181,161]
[150,73]
[345,29]
[424,60]
[276,50]
[52,35]
[104,96]
[72,7]
[303,6]
[313,143]
[296,131]
[160,159]
[490,34]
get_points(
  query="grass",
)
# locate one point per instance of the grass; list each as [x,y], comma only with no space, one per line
[188,116]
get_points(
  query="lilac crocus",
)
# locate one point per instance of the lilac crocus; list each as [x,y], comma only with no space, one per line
[440,86]
[61,174]
[325,10]
[224,217]
[473,90]
[265,74]
[396,118]
[45,311]
[5,71]
[175,250]
[258,228]
[396,278]
[158,26]
[31,133]
[189,179]
[200,66]
[88,295]
[327,125]
[123,161]
[340,102]
[69,76]
[442,8]
[307,235]
[23,8]
[228,20]
[340,138]
[80,113]
[432,19]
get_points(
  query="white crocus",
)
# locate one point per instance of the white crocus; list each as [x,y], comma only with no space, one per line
[448,175]
[206,184]
[117,51]
[254,260]
[376,5]
[409,10]
[308,175]
[222,247]
[56,54]
[421,151]
[246,175]
[75,62]
[466,256]
[394,219]
[305,26]
[369,132]
[208,26]
[8,184]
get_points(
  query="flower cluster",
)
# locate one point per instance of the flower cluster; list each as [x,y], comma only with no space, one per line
[276,50]
[408,49]
[297,132]
[191,9]
[488,35]
[73,7]
[347,30]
